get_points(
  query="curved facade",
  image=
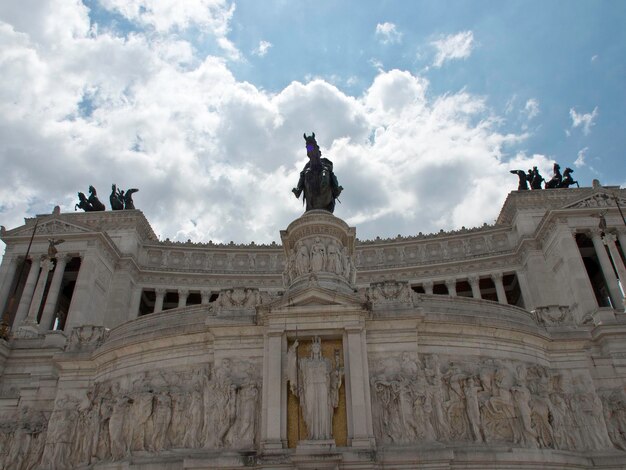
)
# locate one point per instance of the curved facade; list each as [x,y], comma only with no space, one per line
[502,346]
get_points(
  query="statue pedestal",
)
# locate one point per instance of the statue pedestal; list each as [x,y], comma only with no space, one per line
[321,445]
[318,455]
[319,249]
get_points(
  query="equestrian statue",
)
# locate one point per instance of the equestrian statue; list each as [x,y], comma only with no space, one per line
[317,179]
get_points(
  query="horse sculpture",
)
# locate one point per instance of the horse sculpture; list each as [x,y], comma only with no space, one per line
[317,179]
[523,179]
[557,178]
[91,204]
[567,180]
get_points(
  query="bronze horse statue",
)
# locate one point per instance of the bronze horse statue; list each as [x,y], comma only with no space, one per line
[557,178]
[317,179]
[567,179]
[91,204]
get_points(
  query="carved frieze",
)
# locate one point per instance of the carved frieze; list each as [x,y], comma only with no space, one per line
[491,401]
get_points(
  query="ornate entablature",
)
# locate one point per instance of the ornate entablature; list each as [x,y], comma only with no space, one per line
[494,347]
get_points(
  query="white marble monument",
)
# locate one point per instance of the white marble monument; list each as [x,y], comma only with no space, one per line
[494,347]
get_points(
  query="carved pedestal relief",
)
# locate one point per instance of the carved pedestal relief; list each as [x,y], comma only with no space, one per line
[316,399]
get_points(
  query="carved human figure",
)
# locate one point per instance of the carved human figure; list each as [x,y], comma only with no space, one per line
[161,417]
[302,259]
[318,255]
[141,412]
[345,262]
[316,391]
[194,417]
[434,392]
[589,416]
[118,427]
[57,452]
[471,405]
[333,263]
[248,397]
[521,398]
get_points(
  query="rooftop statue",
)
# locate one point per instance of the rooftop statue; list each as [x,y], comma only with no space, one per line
[317,179]
[121,200]
[523,179]
[535,182]
[534,178]
[90,204]
[557,178]
[567,179]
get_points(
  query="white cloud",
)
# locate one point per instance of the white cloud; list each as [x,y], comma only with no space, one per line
[580,158]
[262,49]
[531,108]
[453,46]
[387,33]
[167,16]
[584,120]
[214,157]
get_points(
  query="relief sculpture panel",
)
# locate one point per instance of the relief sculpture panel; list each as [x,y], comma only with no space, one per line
[492,401]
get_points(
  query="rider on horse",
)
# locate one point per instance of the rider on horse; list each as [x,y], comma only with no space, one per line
[315,197]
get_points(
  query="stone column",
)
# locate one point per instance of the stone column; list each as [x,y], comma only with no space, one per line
[497,280]
[609,241]
[362,432]
[8,271]
[206,297]
[135,302]
[621,235]
[428,287]
[53,294]
[451,285]
[529,303]
[182,297]
[273,390]
[88,302]
[35,304]
[27,294]
[158,303]
[607,270]
[474,284]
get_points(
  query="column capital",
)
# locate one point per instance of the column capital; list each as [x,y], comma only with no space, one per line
[160,291]
[496,277]
[183,291]
[609,238]
[428,284]
[473,279]
[596,233]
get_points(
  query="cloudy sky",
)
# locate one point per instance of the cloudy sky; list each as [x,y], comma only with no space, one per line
[423,107]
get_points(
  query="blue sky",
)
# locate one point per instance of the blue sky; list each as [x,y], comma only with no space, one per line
[202,105]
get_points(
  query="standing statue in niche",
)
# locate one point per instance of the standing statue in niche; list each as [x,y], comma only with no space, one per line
[317,179]
[317,384]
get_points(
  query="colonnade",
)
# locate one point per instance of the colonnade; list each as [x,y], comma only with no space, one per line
[474,282]
[34,289]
